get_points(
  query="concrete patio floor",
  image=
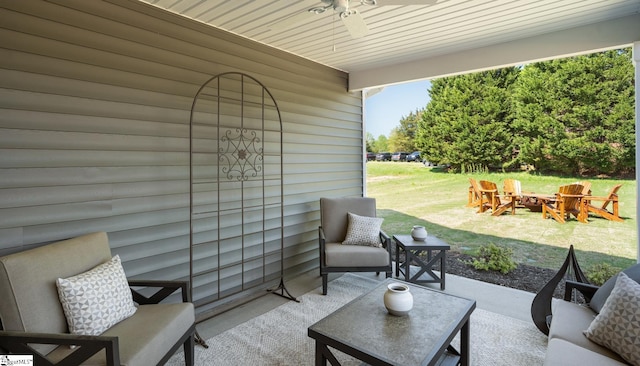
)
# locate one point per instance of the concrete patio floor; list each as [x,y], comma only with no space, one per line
[498,299]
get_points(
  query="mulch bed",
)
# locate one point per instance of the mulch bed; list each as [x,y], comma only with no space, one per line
[524,277]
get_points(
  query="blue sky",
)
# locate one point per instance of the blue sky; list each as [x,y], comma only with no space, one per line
[384,110]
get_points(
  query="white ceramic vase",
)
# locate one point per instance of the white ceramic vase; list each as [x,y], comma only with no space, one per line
[419,233]
[398,299]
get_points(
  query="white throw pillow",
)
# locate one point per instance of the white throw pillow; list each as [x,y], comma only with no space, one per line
[96,300]
[617,327]
[363,230]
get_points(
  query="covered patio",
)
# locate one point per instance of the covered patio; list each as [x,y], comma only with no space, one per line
[96,100]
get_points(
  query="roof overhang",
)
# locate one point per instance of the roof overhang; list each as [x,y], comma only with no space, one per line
[416,42]
[612,34]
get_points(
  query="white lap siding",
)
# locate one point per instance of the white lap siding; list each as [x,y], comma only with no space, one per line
[94,112]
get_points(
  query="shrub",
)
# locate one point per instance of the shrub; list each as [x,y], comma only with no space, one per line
[599,273]
[494,258]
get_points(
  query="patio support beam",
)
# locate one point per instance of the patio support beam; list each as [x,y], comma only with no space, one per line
[636,66]
[611,34]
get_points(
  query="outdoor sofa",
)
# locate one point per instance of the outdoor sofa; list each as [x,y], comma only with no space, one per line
[568,343]
[35,321]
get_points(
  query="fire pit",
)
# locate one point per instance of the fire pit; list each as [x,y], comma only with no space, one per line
[534,204]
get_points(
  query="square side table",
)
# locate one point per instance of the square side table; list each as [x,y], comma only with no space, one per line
[436,250]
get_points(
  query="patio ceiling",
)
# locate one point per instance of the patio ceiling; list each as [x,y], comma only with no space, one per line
[404,42]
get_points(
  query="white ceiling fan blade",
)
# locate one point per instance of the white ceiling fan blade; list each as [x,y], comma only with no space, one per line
[292,21]
[355,24]
[406,2]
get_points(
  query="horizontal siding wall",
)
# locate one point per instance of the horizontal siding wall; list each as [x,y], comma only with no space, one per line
[94,129]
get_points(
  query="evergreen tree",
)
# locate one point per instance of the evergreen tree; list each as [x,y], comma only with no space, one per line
[576,115]
[467,122]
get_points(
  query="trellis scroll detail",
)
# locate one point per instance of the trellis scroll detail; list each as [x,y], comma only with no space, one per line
[241,154]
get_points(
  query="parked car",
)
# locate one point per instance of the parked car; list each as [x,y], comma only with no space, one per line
[370,156]
[399,156]
[383,156]
[414,156]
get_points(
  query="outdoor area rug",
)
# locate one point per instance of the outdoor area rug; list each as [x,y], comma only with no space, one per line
[279,337]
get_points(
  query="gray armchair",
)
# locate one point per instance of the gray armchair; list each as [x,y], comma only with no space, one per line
[336,257]
[33,321]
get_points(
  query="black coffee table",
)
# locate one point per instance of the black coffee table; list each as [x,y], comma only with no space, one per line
[436,251]
[365,330]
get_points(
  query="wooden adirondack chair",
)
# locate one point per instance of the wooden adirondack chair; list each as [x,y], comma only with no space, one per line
[474,194]
[603,211]
[499,203]
[476,198]
[567,202]
[586,187]
[513,188]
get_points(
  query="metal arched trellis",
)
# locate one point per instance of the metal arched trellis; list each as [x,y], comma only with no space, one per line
[236,192]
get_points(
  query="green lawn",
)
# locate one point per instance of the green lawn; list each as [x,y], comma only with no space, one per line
[410,194]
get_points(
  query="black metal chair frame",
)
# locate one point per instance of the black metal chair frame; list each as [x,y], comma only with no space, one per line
[19,342]
[325,270]
[334,225]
